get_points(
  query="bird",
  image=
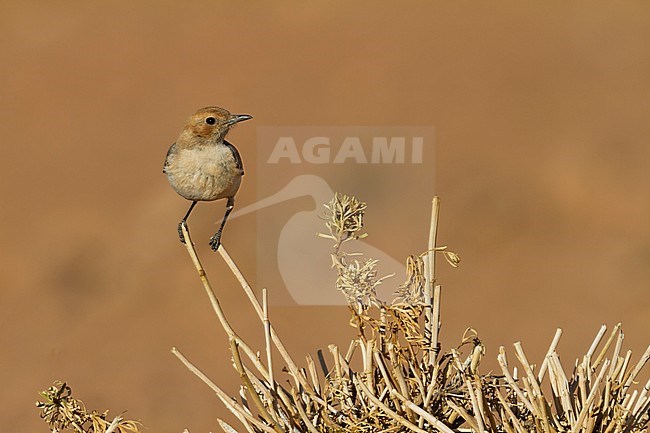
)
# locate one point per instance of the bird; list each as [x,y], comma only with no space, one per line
[203,166]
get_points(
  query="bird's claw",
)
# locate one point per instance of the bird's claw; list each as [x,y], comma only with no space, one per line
[215,241]
[180,231]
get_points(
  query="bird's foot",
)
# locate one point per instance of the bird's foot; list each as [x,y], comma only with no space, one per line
[180,231]
[215,241]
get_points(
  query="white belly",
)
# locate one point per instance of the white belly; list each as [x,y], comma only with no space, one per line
[205,174]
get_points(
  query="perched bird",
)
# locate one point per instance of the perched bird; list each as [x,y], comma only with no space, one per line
[202,166]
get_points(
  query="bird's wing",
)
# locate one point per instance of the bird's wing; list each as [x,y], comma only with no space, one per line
[170,152]
[235,154]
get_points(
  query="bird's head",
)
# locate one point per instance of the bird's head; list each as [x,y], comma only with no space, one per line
[211,124]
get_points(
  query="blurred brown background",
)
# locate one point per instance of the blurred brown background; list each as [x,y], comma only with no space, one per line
[541,115]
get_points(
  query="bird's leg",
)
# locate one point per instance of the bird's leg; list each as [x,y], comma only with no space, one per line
[215,240]
[183,222]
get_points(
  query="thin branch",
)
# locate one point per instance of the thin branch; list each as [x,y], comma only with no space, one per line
[391,413]
[551,349]
[267,338]
[433,324]
[258,309]
[228,401]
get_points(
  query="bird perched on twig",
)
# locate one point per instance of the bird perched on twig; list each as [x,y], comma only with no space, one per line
[202,166]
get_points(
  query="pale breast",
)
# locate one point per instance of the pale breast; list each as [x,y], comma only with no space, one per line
[205,173]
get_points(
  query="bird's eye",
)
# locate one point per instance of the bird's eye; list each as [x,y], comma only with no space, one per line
[210,120]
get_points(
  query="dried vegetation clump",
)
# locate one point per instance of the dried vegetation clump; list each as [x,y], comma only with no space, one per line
[394,375]
[63,412]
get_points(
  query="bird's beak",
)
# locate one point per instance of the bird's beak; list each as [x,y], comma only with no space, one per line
[236,118]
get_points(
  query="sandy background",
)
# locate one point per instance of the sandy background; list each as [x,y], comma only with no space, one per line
[541,115]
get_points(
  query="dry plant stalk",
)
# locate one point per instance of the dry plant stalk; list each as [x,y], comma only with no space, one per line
[394,377]
[62,412]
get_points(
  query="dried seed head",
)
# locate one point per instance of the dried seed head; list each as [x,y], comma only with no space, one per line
[344,217]
[452,258]
[358,282]
[412,291]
